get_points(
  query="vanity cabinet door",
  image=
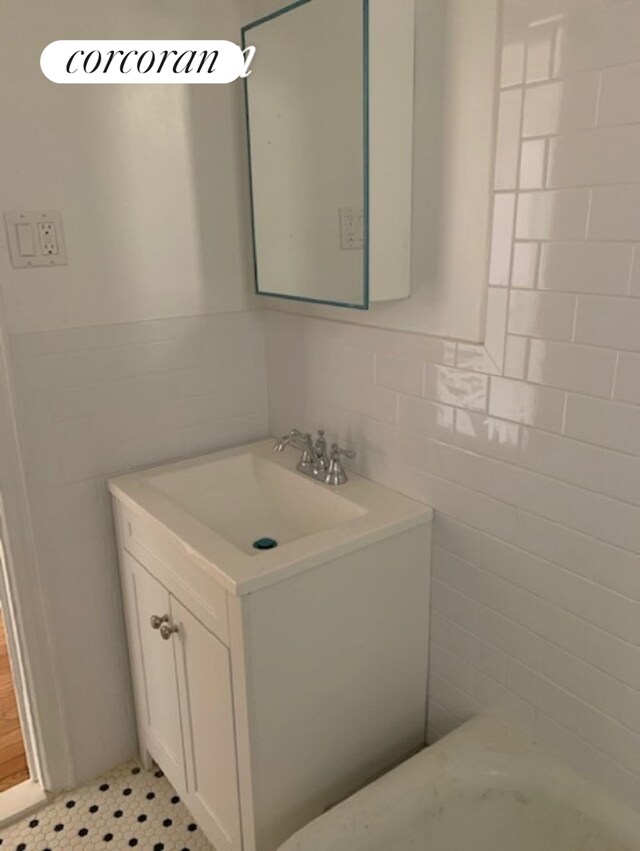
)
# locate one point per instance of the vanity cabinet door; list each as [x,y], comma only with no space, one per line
[206,700]
[160,714]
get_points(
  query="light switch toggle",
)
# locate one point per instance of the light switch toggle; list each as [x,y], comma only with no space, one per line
[24,237]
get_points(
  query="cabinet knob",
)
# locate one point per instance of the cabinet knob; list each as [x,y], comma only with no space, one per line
[158,620]
[167,631]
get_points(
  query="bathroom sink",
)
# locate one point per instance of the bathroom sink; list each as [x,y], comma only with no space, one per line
[250,518]
[247,498]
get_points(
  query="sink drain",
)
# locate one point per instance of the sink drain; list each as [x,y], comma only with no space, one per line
[265,544]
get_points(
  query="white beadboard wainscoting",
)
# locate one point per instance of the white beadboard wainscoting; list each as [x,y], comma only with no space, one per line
[528,448]
[92,402]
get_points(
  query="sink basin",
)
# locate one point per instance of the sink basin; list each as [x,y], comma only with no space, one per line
[248,497]
[217,506]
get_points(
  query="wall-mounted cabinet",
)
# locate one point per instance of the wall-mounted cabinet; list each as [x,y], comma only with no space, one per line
[453,117]
[330,125]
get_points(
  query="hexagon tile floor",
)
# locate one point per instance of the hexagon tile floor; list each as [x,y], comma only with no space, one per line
[129,808]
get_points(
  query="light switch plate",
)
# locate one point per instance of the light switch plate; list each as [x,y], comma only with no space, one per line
[36,238]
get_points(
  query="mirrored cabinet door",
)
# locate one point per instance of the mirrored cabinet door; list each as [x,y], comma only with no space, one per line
[307,122]
[330,124]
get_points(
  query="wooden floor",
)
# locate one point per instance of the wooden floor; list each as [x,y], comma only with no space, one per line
[13,761]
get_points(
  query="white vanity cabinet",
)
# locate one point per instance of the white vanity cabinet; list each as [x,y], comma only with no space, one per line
[154,662]
[271,691]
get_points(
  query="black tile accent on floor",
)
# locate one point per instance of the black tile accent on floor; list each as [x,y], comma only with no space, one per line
[129,808]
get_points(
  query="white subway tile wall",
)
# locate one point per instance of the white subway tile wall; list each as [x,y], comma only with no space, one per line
[93,402]
[529,449]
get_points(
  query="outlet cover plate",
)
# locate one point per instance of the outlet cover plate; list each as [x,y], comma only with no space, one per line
[45,246]
[351,228]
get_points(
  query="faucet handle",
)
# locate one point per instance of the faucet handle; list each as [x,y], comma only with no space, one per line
[336,474]
[337,451]
[307,462]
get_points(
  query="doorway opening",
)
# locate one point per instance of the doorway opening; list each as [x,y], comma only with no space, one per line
[29,649]
[21,788]
[14,767]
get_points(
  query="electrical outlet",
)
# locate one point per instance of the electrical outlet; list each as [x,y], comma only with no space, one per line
[48,237]
[36,238]
[351,228]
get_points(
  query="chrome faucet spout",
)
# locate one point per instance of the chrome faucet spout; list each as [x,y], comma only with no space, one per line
[295,438]
[315,460]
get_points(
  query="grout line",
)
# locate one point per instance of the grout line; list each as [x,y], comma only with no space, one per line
[597,124]
[218,318]
[547,601]
[588,216]
[546,159]
[615,377]
[581,293]
[489,460]
[536,709]
[514,222]
[574,324]
[635,258]
[538,636]
[529,512]
[594,747]
[557,565]
[572,188]
[545,240]
[543,517]
[539,674]
[565,403]
[547,431]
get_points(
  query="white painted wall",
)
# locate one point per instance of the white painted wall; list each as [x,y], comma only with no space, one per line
[147,177]
[528,448]
[141,349]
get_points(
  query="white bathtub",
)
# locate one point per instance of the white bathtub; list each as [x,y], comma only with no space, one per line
[478,789]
